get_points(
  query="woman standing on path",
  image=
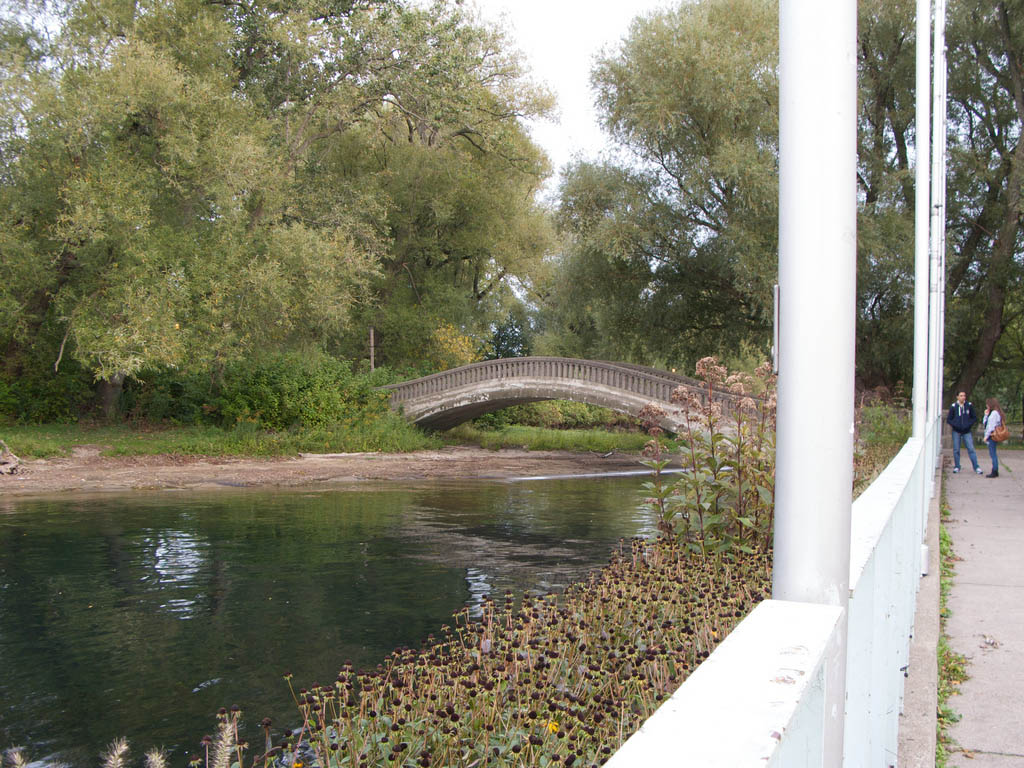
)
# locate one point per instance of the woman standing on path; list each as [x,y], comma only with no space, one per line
[993,418]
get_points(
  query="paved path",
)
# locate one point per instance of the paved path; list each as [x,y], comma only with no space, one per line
[986,604]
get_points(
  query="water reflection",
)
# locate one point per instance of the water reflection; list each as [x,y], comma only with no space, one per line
[178,559]
[479,589]
[141,615]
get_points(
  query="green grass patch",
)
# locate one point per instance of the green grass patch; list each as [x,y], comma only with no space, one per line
[388,433]
[881,432]
[541,439]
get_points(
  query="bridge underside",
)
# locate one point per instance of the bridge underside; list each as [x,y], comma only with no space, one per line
[459,405]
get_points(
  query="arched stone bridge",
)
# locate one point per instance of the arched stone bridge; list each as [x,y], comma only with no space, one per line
[442,400]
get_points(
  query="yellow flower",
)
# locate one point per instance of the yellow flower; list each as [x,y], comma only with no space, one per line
[552,726]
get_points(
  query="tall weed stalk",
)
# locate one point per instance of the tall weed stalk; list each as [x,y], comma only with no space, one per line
[723,501]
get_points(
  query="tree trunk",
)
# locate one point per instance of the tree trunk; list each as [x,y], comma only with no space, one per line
[1006,240]
[9,463]
[108,392]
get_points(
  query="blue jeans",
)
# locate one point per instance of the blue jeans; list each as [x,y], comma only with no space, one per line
[992,454]
[969,442]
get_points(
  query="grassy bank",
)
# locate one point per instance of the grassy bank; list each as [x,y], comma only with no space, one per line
[541,439]
[390,434]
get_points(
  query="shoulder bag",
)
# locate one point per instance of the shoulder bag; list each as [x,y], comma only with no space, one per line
[1000,433]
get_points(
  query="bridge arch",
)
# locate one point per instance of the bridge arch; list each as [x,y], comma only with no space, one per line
[443,400]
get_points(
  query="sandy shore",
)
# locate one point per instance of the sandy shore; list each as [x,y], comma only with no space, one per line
[87,470]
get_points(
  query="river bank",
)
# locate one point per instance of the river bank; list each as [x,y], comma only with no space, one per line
[87,470]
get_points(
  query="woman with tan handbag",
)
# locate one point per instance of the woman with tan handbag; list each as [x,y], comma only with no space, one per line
[995,432]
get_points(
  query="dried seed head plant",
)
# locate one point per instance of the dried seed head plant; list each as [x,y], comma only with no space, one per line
[542,680]
[116,755]
[722,504]
[538,680]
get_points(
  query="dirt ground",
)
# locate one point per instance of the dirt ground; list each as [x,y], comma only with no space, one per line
[87,470]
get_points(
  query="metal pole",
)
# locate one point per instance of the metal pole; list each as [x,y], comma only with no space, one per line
[940,118]
[817,308]
[921,197]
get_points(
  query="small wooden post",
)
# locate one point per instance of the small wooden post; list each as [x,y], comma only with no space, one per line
[372,349]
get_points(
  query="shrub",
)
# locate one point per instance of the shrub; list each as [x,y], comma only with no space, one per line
[884,424]
[556,414]
[277,391]
[44,396]
[539,439]
[882,431]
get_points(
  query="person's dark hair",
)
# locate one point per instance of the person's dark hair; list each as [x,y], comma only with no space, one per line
[993,405]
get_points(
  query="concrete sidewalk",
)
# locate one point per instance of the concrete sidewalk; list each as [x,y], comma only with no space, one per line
[986,604]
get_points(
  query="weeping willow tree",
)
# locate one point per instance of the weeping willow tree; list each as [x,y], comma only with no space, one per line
[185,183]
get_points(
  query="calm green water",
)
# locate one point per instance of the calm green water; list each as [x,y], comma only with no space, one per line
[141,615]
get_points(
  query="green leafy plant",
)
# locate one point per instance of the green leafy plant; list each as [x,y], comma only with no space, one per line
[952,665]
[557,414]
[882,429]
[540,439]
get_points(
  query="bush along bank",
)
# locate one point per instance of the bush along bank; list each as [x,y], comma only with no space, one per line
[723,502]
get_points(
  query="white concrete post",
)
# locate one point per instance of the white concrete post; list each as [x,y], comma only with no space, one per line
[817,310]
[921,195]
[936,281]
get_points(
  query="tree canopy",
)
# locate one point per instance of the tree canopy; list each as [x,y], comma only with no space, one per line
[669,257]
[185,182]
[672,251]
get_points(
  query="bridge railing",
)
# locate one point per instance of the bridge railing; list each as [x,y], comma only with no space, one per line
[638,380]
[758,699]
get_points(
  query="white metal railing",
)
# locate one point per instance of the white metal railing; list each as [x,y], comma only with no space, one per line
[759,698]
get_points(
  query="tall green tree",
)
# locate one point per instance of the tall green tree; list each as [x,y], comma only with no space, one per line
[985,278]
[458,178]
[669,247]
[152,202]
[463,226]
[672,252]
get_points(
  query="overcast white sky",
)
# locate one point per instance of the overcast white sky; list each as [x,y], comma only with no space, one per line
[560,39]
